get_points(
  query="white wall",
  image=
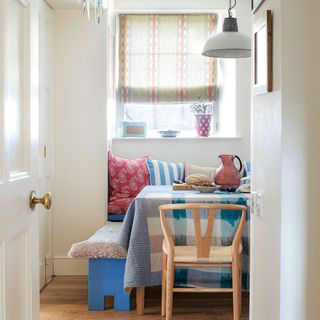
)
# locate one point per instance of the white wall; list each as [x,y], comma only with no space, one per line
[266,178]
[196,151]
[300,272]
[111,109]
[286,256]
[200,151]
[80,135]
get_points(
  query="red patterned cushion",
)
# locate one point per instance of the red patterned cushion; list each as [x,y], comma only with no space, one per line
[126,177]
[119,206]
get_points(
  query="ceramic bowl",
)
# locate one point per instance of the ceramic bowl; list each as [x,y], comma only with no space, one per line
[169,133]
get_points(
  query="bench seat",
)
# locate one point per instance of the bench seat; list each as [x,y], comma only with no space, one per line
[107,260]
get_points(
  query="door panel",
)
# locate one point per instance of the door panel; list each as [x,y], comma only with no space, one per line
[16,88]
[19,270]
[19,246]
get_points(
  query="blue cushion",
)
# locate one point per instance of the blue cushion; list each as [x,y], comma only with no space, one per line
[116,217]
[164,173]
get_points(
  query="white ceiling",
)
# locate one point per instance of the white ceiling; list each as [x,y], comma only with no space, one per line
[64,4]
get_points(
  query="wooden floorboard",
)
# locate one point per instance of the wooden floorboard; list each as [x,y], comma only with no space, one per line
[66,298]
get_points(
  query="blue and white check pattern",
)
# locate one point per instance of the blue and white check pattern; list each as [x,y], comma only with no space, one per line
[141,235]
[164,173]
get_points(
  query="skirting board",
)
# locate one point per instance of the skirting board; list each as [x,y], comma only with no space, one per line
[64,266]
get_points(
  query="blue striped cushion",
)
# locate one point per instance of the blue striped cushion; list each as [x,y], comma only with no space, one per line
[164,173]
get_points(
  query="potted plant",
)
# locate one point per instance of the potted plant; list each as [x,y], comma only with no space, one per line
[203,116]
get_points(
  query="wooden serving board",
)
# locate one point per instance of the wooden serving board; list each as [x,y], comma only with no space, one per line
[182,186]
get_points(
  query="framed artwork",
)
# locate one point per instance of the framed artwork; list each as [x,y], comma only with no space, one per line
[256,4]
[263,51]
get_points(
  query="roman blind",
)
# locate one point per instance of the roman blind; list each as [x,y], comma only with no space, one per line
[160,58]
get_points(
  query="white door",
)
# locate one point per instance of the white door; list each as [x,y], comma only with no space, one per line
[45,143]
[19,149]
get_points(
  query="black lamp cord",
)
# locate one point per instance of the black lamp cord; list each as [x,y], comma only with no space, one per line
[231,7]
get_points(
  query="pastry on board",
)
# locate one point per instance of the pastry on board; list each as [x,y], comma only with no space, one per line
[199,180]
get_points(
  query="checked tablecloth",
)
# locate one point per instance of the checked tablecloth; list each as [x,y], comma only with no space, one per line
[141,235]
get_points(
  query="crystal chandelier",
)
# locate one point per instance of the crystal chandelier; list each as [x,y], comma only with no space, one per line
[93,9]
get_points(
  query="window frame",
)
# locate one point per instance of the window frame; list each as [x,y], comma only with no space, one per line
[119,116]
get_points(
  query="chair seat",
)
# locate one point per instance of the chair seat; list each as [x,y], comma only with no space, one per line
[188,254]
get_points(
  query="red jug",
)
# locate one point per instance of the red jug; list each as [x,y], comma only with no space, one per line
[228,176]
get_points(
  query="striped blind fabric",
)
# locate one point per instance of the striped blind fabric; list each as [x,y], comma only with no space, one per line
[161,61]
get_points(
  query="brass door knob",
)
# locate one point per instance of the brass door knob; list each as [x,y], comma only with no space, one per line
[45,200]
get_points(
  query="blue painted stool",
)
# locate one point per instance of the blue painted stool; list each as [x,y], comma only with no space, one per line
[105,278]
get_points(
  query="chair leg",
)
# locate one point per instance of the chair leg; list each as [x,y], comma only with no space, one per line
[169,287]
[240,285]
[236,288]
[164,280]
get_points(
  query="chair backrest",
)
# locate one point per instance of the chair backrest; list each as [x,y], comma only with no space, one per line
[203,243]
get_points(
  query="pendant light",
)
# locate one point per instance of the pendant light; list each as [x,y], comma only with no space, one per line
[93,9]
[229,43]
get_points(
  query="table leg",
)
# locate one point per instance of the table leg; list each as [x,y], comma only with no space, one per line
[140,300]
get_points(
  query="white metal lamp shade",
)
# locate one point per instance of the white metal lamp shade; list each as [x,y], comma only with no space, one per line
[228,44]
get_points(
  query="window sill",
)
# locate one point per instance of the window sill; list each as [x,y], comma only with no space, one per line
[178,138]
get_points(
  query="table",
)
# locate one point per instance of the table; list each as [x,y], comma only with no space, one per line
[141,235]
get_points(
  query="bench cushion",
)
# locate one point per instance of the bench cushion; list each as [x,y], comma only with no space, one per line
[194,169]
[102,244]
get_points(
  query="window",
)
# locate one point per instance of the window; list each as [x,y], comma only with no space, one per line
[161,69]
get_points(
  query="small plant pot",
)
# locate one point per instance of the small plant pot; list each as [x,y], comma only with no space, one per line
[203,124]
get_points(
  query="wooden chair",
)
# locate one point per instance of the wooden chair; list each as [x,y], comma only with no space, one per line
[203,254]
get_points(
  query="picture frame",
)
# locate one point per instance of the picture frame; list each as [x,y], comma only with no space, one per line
[133,129]
[263,54]
[256,4]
